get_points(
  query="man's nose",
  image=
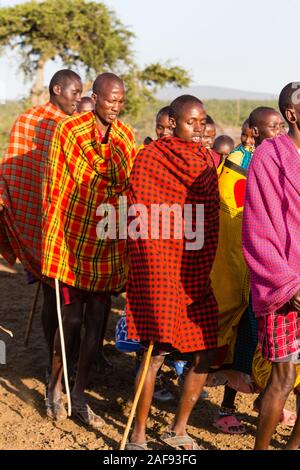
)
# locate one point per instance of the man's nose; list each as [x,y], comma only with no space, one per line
[116,107]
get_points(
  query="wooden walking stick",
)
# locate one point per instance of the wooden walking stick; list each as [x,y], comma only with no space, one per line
[137,396]
[10,333]
[62,345]
[32,312]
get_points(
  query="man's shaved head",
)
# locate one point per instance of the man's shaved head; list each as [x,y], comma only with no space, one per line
[259,114]
[265,123]
[106,78]
[63,78]
[245,124]
[287,97]
[165,111]
[179,103]
[209,120]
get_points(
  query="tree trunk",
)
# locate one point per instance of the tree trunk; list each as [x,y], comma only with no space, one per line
[37,93]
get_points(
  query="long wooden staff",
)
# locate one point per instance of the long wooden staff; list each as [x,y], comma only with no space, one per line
[137,396]
[63,349]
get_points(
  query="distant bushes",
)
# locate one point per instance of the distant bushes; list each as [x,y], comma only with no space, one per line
[229,113]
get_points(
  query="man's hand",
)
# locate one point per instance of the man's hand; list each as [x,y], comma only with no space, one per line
[295,301]
[1,208]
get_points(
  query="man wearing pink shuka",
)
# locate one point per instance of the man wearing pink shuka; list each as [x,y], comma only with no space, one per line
[271,246]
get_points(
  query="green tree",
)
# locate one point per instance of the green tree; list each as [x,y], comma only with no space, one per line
[83,34]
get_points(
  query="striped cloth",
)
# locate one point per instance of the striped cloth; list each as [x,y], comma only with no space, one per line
[169,297]
[279,334]
[83,173]
[271,224]
[21,174]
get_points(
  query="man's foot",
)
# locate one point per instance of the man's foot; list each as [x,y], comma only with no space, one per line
[184,442]
[85,414]
[136,446]
[55,409]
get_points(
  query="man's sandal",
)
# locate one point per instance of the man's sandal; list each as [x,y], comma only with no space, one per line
[229,424]
[55,409]
[288,418]
[86,415]
[178,442]
[136,446]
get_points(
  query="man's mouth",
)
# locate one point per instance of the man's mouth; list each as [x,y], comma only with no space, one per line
[196,139]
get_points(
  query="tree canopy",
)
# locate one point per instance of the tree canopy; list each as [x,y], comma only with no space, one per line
[85,35]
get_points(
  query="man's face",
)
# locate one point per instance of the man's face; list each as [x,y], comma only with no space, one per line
[68,96]
[109,102]
[224,150]
[163,126]
[85,106]
[190,123]
[209,136]
[269,126]
[247,138]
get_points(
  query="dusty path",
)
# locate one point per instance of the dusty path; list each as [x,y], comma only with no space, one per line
[22,416]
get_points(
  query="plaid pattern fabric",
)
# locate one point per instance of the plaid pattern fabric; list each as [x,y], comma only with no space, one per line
[271,224]
[83,173]
[169,298]
[279,333]
[21,173]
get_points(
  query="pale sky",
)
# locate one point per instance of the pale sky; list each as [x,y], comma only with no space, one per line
[250,45]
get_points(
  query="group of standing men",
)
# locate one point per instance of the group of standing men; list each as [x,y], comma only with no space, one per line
[56,179]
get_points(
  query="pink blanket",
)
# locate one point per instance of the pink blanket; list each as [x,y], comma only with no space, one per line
[271,224]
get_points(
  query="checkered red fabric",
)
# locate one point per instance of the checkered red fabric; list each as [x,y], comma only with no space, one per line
[21,175]
[169,297]
[84,173]
[279,333]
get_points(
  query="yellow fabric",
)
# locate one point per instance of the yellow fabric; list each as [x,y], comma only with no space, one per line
[230,279]
[261,370]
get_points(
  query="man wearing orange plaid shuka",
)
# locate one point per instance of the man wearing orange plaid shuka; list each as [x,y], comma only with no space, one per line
[21,175]
[89,165]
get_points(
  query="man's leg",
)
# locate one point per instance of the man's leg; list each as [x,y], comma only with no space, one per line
[95,314]
[72,320]
[192,387]
[102,360]
[49,317]
[277,391]
[138,435]
[229,398]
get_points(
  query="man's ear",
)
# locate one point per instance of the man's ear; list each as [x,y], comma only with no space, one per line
[172,122]
[291,115]
[94,97]
[255,131]
[57,90]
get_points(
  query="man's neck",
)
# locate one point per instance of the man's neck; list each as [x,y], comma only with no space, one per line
[53,101]
[102,127]
[295,136]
